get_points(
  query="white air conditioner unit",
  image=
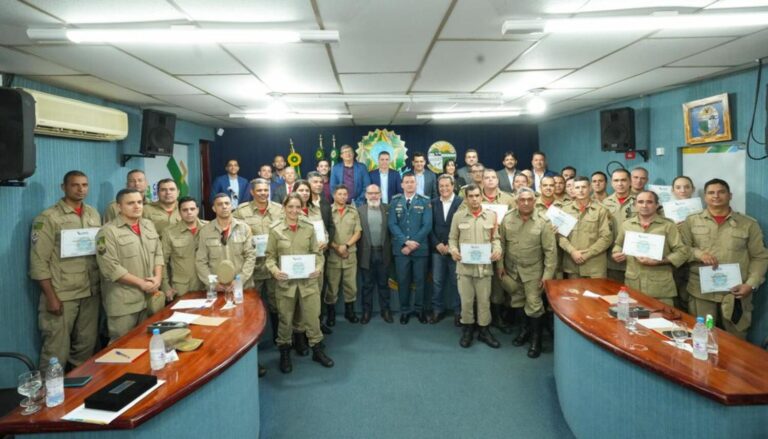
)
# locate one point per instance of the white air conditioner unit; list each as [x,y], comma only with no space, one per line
[64,117]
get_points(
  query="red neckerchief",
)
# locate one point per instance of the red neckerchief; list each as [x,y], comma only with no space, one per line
[306,210]
[489,199]
[477,214]
[170,212]
[225,232]
[719,219]
[548,204]
[341,211]
[78,210]
[645,226]
[193,230]
[293,227]
[136,229]
[262,211]
[622,200]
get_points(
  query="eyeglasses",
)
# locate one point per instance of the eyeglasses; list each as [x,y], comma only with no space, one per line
[373,193]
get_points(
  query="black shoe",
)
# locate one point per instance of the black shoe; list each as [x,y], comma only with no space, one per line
[366,317]
[330,315]
[466,336]
[387,316]
[486,337]
[262,371]
[497,321]
[273,322]
[300,343]
[457,320]
[535,349]
[423,317]
[436,317]
[324,329]
[404,317]
[525,333]
[318,355]
[285,359]
[349,312]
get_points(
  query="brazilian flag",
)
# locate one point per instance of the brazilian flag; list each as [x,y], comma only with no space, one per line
[320,151]
[334,154]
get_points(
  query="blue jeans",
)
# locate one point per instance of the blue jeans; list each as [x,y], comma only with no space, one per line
[375,278]
[444,277]
[411,269]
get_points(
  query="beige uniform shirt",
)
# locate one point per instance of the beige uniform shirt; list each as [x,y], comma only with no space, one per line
[468,229]
[346,224]
[591,235]
[657,280]
[283,241]
[529,247]
[619,213]
[540,209]
[739,240]
[72,278]
[237,248]
[179,248]
[259,223]
[160,217]
[120,251]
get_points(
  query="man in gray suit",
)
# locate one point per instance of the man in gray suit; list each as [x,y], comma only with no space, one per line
[470,158]
[374,254]
[507,175]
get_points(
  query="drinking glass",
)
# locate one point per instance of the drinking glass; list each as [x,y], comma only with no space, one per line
[29,384]
[680,334]
[632,319]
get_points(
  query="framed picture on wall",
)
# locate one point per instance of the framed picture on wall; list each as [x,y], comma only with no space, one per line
[707,120]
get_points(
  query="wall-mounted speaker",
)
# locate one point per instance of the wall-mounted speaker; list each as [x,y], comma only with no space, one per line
[157,131]
[17,138]
[617,130]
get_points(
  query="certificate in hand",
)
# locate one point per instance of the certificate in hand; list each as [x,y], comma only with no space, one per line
[500,209]
[475,254]
[260,245]
[664,192]
[720,279]
[78,242]
[646,245]
[320,232]
[679,210]
[563,222]
[297,266]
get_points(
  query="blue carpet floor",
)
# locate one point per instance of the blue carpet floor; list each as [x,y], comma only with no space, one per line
[412,381]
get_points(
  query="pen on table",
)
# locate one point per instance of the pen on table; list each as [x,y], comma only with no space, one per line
[122,354]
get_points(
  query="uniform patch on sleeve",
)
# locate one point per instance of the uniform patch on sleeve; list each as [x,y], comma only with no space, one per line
[38,225]
[34,238]
[101,245]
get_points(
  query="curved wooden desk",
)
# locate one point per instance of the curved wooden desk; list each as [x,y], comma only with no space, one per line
[612,383]
[215,385]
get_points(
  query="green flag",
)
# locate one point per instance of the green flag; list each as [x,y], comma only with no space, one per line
[320,152]
[334,152]
[179,176]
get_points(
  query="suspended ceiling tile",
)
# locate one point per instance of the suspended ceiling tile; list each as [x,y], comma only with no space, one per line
[321,107]
[99,87]
[109,11]
[651,81]
[373,110]
[463,66]
[186,60]
[376,82]
[114,66]
[378,36]
[14,13]
[514,84]
[638,58]
[240,90]
[20,63]
[293,68]
[559,51]
[573,106]
[205,104]
[249,11]
[483,18]
[613,5]
[697,33]
[193,116]
[377,121]
[726,4]
[735,53]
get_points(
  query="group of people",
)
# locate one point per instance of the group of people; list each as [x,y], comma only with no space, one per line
[484,235]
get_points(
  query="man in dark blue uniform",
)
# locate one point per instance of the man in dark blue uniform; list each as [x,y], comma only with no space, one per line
[410,221]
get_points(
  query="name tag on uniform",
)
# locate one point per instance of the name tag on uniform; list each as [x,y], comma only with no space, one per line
[260,244]
[78,242]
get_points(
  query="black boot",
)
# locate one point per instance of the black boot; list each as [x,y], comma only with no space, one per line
[349,312]
[535,350]
[273,322]
[497,321]
[466,335]
[324,329]
[285,359]
[525,333]
[318,354]
[262,371]
[486,337]
[330,315]
[300,343]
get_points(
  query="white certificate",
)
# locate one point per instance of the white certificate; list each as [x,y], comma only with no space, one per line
[664,192]
[563,222]
[646,245]
[722,278]
[320,232]
[500,209]
[297,266]
[679,210]
[475,253]
[260,244]
[78,242]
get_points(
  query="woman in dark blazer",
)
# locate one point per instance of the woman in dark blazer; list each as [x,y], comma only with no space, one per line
[449,168]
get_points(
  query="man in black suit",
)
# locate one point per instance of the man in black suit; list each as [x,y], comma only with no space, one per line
[443,266]
[374,254]
[507,174]
[470,158]
[282,190]
[426,180]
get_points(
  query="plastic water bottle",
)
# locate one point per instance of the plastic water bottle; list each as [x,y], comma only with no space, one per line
[700,339]
[622,306]
[156,351]
[238,289]
[711,338]
[54,383]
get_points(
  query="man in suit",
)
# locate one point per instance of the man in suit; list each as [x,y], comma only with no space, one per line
[426,180]
[374,254]
[352,174]
[507,175]
[231,184]
[470,158]
[443,265]
[281,190]
[539,168]
[386,179]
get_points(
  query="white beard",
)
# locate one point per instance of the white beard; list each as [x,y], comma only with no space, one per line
[374,204]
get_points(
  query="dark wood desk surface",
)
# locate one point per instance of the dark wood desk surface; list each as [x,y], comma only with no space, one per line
[736,376]
[222,346]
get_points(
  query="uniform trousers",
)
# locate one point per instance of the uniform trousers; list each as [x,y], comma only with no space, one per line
[70,337]
[308,310]
[475,288]
[411,269]
[701,307]
[344,273]
[117,326]
[525,294]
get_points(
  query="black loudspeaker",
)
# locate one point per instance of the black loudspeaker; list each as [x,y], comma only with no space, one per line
[17,138]
[157,130]
[617,130]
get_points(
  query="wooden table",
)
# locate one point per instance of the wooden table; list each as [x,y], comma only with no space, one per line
[610,380]
[210,391]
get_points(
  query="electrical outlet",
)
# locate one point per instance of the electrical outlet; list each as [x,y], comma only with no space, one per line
[660,150]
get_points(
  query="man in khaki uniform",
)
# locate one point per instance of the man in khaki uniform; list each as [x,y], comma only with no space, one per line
[341,265]
[474,225]
[718,235]
[530,258]
[130,258]
[585,246]
[165,211]
[179,247]
[652,277]
[621,206]
[546,200]
[135,179]
[68,313]
[225,239]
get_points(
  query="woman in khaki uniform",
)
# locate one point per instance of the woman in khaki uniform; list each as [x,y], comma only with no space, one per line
[296,236]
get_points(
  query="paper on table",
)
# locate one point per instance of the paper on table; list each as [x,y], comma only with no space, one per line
[209,321]
[722,278]
[78,242]
[563,222]
[192,304]
[657,323]
[614,299]
[679,210]
[588,293]
[103,417]
[500,209]
[124,356]
[183,317]
[646,245]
